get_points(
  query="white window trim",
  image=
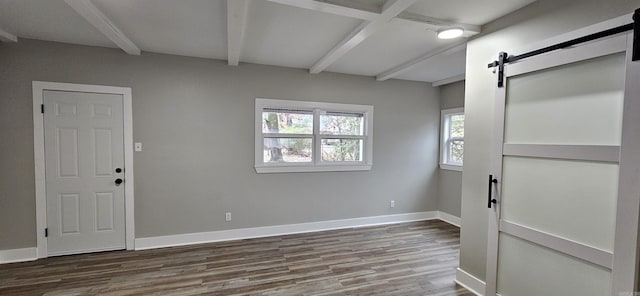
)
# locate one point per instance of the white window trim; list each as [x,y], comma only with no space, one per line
[444,138]
[316,165]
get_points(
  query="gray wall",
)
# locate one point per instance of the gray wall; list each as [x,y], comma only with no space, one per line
[449,181]
[195,120]
[538,21]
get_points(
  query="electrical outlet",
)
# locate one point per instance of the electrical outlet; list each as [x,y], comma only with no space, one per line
[392,204]
[227,216]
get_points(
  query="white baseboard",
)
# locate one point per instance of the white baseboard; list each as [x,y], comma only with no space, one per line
[451,219]
[470,282]
[266,231]
[18,255]
[29,254]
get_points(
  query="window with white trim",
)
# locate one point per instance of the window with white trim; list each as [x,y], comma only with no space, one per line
[452,139]
[301,136]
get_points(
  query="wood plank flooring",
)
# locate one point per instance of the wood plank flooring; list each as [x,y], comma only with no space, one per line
[417,258]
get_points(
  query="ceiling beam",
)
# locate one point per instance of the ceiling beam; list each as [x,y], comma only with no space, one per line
[452,79]
[101,22]
[7,37]
[236,24]
[369,13]
[342,8]
[390,10]
[434,24]
[404,67]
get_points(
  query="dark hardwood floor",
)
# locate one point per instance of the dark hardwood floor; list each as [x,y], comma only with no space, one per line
[417,258]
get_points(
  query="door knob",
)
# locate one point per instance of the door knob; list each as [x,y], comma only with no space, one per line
[118,170]
[118,181]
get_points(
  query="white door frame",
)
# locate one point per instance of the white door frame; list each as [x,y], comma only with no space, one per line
[624,260]
[38,148]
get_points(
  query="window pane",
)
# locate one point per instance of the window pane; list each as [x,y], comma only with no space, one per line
[456,149]
[281,121]
[457,126]
[342,124]
[341,150]
[287,150]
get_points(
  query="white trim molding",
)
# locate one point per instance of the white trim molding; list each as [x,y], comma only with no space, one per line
[30,254]
[451,219]
[576,152]
[451,167]
[469,282]
[267,231]
[559,244]
[18,255]
[626,259]
[7,37]
[38,138]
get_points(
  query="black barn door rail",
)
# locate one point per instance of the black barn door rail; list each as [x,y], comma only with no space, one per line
[504,58]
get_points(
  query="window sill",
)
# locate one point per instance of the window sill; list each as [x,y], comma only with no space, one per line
[309,169]
[451,167]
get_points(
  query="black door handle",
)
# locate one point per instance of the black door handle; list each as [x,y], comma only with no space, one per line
[489,199]
[118,181]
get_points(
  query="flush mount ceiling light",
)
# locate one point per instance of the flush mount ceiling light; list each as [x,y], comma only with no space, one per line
[450,33]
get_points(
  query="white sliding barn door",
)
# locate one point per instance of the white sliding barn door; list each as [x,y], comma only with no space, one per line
[556,171]
[84,155]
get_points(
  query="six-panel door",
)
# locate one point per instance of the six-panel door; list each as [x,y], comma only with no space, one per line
[83,150]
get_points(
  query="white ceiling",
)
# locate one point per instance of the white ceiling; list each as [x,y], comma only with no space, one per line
[48,20]
[164,26]
[346,36]
[288,36]
[393,45]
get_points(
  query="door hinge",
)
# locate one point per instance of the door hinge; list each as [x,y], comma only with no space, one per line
[42,108]
[46,232]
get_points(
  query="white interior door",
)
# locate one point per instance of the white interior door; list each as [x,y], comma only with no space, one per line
[554,185]
[84,158]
